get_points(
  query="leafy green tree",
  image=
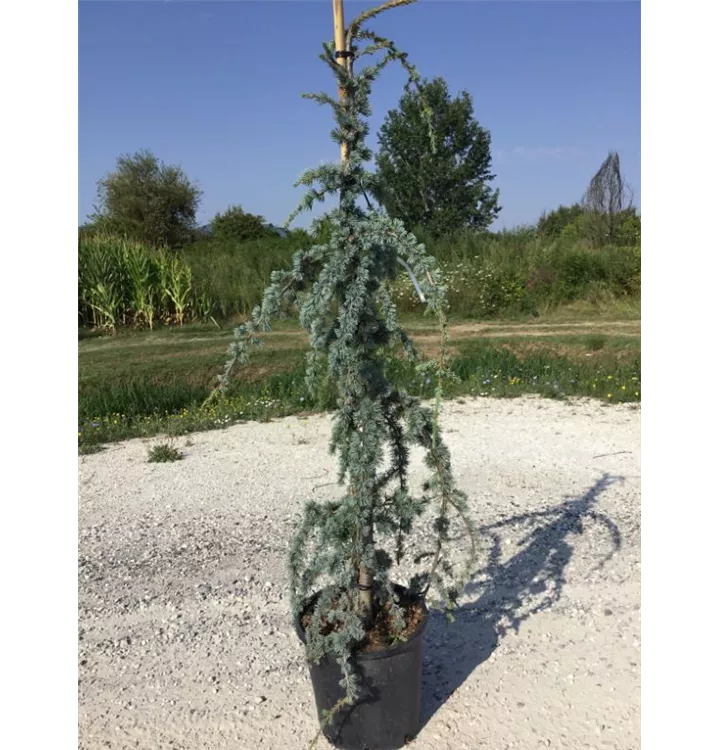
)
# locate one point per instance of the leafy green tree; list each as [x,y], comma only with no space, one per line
[439,182]
[147,200]
[236,224]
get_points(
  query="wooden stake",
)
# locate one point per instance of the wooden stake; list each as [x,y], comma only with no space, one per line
[339,41]
[365,577]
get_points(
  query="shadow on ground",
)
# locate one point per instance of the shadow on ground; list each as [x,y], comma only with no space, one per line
[509,592]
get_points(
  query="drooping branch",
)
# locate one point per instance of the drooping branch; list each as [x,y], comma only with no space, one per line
[366,15]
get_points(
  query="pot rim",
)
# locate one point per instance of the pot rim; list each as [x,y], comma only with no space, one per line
[395,648]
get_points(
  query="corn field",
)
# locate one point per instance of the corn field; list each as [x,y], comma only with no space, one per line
[126,283]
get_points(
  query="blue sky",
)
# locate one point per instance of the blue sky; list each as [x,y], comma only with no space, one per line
[216,87]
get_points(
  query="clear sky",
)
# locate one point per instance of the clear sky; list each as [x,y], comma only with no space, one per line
[216,87]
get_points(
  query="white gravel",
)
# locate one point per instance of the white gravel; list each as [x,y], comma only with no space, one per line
[185,639]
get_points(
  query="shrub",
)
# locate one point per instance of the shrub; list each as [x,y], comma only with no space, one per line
[551,225]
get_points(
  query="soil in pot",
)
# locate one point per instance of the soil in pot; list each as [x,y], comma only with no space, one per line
[387,714]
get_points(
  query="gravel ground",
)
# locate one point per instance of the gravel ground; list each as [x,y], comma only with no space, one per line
[185,639]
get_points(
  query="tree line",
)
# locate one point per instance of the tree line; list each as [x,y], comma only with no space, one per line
[438,188]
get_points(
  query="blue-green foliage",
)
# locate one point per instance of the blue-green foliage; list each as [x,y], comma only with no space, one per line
[342,290]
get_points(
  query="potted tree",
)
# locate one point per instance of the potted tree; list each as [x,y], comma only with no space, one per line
[363,632]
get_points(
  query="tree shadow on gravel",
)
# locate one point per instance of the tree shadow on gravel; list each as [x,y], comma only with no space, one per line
[509,592]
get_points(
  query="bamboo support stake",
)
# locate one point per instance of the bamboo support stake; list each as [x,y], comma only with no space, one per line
[365,577]
[339,41]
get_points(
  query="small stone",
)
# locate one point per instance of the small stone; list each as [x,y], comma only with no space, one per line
[259,699]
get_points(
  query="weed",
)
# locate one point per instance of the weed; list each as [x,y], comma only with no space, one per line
[595,341]
[163,453]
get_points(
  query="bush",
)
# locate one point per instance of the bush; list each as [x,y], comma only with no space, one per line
[551,225]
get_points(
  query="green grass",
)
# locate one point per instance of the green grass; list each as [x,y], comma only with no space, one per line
[151,383]
[234,274]
[514,367]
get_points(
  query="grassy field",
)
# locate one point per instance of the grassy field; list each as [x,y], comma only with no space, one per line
[151,382]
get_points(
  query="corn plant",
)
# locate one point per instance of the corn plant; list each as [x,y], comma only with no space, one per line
[177,285]
[101,283]
[142,271]
[105,302]
[122,282]
[201,306]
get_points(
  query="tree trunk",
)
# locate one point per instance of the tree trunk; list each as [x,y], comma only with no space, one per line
[366,593]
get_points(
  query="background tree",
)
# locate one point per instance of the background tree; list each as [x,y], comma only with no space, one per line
[147,200]
[608,202]
[441,190]
[236,224]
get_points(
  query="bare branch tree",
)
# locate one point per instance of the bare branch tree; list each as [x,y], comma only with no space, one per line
[607,198]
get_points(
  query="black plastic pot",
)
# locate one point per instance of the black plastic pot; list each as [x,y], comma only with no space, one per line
[387,714]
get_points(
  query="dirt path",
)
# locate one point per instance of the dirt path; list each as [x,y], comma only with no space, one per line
[469,330]
[185,636]
[282,339]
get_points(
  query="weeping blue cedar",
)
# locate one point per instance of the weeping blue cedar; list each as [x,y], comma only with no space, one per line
[342,291]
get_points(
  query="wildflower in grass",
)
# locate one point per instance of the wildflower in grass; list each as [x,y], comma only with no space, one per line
[609,395]
[623,387]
